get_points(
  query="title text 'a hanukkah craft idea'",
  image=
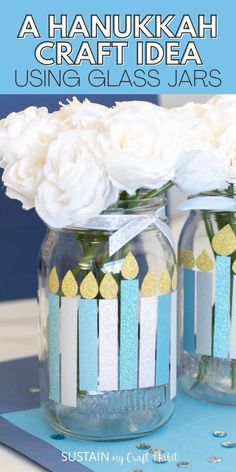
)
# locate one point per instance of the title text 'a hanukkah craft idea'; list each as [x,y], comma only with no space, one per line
[209,314]
[111,336]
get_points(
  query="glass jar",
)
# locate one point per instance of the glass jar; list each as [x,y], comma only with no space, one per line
[108,328]
[207,304]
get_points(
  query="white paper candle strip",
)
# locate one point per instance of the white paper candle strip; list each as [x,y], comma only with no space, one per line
[68,342]
[147,347]
[203,307]
[233,323]
[108,345]
[173,346]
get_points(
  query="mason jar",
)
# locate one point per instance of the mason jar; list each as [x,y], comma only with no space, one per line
[207,300]
[108,329]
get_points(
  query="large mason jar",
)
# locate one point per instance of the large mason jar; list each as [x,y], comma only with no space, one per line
[108,329]
[207,299]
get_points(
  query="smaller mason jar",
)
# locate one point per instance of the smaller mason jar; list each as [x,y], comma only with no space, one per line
[108,330]
[207,304]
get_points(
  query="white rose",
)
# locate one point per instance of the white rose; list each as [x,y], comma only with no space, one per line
[14,126]
[23,176]
[131,146]
[15,123]
[211,119]
[23,132]
[227,146]
[86,115]
[138,106]
[221,101]
[218,114]
[75,187]
[201,170]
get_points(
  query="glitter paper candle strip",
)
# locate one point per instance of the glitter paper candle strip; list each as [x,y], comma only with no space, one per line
[189,310]
[54,347]
[147,348]
[163,339]
[222,307]
[108,345]
[233,323]
[173,345]
[88,345]
[204,313]
[69,310]
[129,334]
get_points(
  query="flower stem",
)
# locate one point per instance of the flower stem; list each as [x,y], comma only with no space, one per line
[153,193]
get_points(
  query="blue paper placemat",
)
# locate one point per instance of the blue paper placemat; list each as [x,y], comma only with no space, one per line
[187,437]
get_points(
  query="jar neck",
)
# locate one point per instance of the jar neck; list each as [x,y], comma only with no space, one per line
[141,205]
[229,191]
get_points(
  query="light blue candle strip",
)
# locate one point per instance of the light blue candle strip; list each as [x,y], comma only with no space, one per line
[129,334]
[233,323]
[173,346]
[88,345]
[54,347]
[204,313]
[222,307]
[189,310]
[163,339]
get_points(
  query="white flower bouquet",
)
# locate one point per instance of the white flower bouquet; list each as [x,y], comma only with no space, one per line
[73,164]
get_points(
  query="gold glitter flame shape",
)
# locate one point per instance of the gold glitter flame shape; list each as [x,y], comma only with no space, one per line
[108,288]
[130,268]
[89,287]
[204,262]
[174,280]
[149,285]
[187,259]
[53,281]
[224,242]
[234,267]
[69,285]
[165,282]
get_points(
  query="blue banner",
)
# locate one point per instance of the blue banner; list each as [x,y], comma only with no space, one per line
[105,47]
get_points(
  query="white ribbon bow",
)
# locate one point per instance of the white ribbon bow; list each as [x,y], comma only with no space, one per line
[126,227]
[209,203]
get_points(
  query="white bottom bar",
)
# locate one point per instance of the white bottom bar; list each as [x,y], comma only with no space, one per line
[68,344]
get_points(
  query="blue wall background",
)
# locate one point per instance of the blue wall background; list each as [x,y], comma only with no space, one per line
[21,232]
